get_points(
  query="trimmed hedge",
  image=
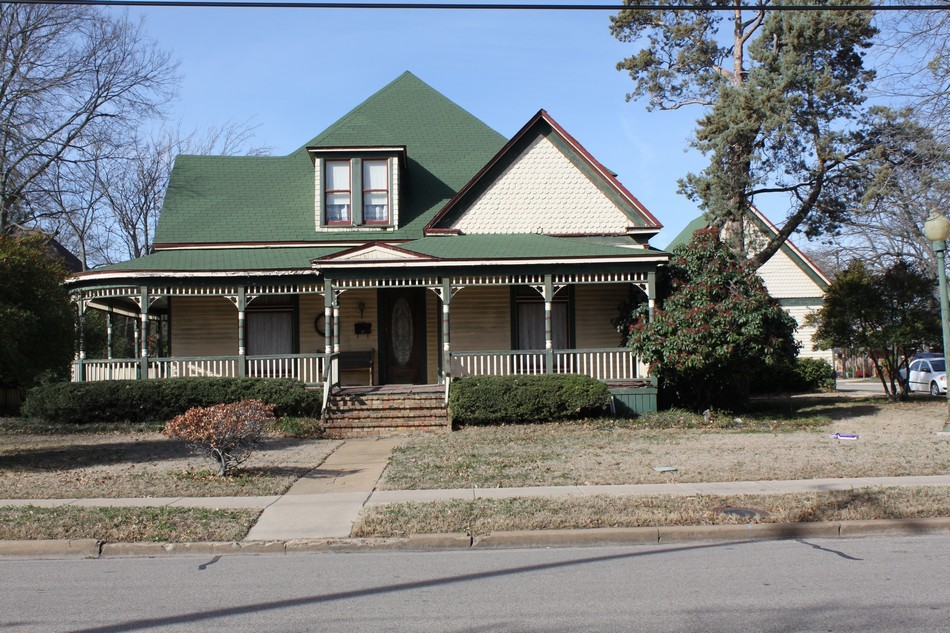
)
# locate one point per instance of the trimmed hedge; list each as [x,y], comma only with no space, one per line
[804,375]
[520,399]
[161,400]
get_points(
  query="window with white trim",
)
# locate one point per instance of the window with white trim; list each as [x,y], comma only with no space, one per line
[337,192]
[376,191]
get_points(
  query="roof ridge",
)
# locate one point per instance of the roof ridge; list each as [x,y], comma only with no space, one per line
[362,105]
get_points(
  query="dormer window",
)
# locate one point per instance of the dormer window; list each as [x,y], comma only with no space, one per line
[337,192]
[357,188]
[376,191]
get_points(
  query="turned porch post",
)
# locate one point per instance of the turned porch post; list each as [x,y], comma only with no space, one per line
[548,324]
[446,347]
[143,337]
[242,344]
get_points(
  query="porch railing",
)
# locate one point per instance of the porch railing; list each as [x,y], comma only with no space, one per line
[602,364]
[307,368]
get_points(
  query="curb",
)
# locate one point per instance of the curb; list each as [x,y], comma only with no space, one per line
[751,532]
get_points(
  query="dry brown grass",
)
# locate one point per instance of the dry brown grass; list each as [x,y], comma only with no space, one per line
[125,525]
[483,516]
[895,439]
[147,464]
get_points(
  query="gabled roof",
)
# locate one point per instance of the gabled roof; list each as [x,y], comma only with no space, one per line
[763,224]
[534,184]
[239,199]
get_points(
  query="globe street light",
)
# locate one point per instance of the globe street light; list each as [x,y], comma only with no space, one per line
[937,229]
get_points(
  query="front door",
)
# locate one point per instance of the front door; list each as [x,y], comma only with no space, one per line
[402,336]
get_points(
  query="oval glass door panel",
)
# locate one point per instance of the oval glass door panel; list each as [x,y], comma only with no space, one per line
[402,332]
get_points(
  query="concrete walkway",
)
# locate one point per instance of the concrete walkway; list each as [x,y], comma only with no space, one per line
[326,501]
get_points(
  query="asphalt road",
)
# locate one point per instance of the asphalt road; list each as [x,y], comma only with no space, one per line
[879,584]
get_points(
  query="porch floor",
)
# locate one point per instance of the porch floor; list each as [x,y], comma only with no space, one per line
[365,390]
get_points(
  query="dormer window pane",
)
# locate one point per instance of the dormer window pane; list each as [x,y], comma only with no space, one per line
[337,192]
[376,191]
[338,207]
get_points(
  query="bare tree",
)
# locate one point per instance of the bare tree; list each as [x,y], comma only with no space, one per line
[71,78]
[915,60]
[134,185]
[907,176]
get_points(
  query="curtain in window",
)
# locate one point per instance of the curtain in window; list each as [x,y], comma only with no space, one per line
[270,333]
[375,191]
[531,325]
[337,191]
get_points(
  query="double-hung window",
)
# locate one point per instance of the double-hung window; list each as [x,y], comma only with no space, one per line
[337,193]
[375,191]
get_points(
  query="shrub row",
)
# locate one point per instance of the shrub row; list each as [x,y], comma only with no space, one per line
[517,399]
[161,400]
[803,375]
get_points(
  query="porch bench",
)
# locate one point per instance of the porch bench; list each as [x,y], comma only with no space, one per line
[356,361]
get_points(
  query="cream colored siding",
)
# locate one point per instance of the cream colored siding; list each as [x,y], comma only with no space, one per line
[206,326]
[481,319]
[595,308]
[805,333]
[310,307]
[785,280]
[349,341]
[542,191]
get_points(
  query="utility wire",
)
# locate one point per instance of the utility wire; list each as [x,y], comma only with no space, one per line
[442,6]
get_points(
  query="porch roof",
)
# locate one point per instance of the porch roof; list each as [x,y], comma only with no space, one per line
[520,246]
[269,259]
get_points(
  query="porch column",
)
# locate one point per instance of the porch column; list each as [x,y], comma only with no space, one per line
[109,339]
[651,294]
[548,324]
[81,340]
[446,348]
[336,324]
[143,338]
[109,334]
[242,346]
[328,301]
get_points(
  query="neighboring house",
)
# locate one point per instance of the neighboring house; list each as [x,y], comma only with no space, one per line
[408,243]
[789,276]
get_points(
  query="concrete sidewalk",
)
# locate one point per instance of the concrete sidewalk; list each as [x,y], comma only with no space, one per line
[325,502]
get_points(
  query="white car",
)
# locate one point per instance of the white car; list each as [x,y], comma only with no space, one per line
[928,374]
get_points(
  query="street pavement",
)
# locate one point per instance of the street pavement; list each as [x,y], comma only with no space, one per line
[867,585]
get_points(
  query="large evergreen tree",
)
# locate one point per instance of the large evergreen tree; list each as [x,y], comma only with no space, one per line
[783,92]
[36,319]
[717,327]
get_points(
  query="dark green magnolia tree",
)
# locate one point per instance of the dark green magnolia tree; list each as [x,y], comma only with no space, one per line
[890,314]
[716,328]
[36,319]
[783,98]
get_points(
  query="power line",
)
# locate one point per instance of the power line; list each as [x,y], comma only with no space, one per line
[441,6]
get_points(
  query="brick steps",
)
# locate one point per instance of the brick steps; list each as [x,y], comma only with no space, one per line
[356,415]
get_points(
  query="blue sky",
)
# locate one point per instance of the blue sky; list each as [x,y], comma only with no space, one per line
[294,72]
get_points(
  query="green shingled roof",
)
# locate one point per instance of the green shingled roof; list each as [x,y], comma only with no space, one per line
[220,199]
[684,236]
[516,246]
[224,259]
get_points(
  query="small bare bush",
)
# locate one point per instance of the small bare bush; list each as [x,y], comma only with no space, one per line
[225,433]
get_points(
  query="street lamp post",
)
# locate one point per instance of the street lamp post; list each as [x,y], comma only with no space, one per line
[937,229]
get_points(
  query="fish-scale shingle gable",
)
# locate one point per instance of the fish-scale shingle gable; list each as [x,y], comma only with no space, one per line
[543,181]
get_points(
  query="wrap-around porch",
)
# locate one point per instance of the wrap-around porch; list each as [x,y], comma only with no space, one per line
[385,328]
